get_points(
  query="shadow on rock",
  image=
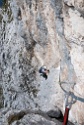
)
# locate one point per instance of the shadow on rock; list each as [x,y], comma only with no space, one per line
[55,114]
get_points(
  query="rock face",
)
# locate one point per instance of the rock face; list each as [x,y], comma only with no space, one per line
[35,33]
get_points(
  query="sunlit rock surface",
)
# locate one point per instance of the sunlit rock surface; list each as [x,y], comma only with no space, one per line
[74,33]
[32,34]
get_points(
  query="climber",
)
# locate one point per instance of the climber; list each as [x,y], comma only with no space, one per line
[44,72]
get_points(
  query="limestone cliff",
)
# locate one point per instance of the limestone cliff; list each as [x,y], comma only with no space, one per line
[35,33]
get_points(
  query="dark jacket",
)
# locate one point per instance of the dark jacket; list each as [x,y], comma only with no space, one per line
[43,72]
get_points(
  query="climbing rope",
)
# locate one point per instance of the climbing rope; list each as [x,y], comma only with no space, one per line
[70,88]
[69,99]
[68,103]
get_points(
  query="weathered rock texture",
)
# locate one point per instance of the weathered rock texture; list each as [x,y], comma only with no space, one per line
[35,33]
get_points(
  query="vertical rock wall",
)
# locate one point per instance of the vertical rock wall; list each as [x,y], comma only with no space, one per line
[36,33]
[73,12]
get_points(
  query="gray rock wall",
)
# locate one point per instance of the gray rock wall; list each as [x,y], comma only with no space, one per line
[35,33]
